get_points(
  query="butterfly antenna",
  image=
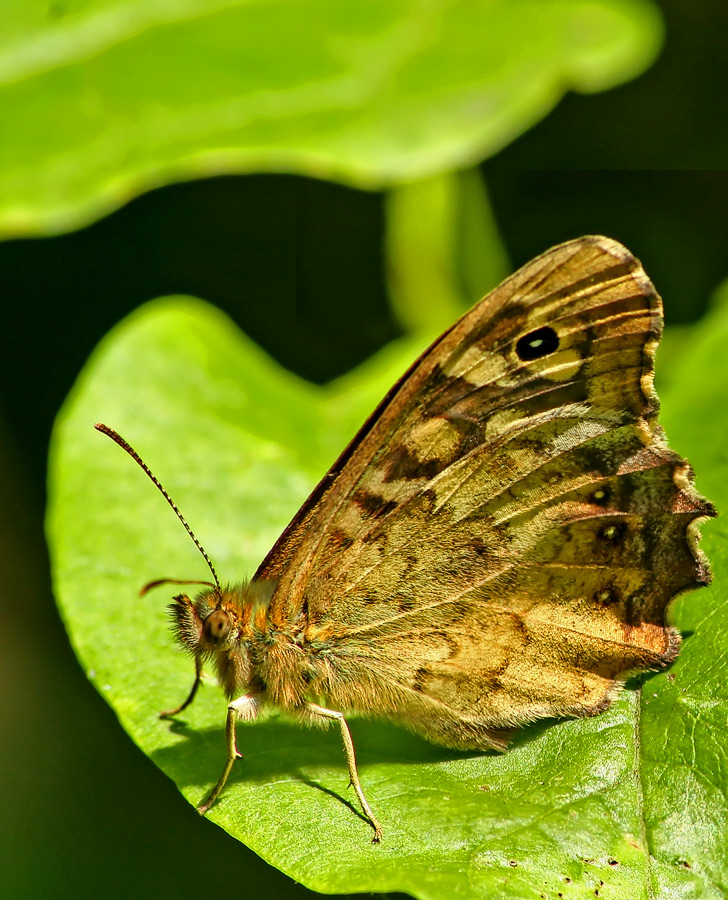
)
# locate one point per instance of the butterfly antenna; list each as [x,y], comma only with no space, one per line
[118,439]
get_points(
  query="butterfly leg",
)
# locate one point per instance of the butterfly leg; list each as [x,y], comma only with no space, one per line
[170,713]
[331,714]
[245,707]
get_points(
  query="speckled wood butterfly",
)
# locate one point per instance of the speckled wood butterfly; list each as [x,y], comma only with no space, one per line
[499,542]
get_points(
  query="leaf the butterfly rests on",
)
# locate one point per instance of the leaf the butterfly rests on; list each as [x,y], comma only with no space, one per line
[500,541]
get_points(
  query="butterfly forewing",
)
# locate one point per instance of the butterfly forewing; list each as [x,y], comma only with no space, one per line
[501,539]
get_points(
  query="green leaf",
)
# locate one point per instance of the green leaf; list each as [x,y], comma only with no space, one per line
[684,726]
[630,804]
[104,99]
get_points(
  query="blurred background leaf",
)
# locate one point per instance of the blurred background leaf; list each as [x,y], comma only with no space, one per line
[304,267]
[109,98]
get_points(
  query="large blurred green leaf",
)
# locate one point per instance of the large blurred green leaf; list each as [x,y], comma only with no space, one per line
[103,99]
[630,804]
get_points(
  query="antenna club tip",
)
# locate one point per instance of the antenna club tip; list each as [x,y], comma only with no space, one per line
[109,432]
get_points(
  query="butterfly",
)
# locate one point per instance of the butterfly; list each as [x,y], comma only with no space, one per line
[498,544]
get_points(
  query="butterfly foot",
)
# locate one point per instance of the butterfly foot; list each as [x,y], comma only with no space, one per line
[203,807]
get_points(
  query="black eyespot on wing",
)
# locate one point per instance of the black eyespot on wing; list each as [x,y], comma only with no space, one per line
[537,343]
[612,532]
[606,597]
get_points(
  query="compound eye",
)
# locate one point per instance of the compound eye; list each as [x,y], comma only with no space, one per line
[216,628]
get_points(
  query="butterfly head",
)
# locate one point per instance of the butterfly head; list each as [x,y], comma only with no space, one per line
[222,625]
[208,624]
[211,628]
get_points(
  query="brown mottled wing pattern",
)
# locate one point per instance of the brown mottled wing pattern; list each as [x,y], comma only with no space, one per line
[500,541]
